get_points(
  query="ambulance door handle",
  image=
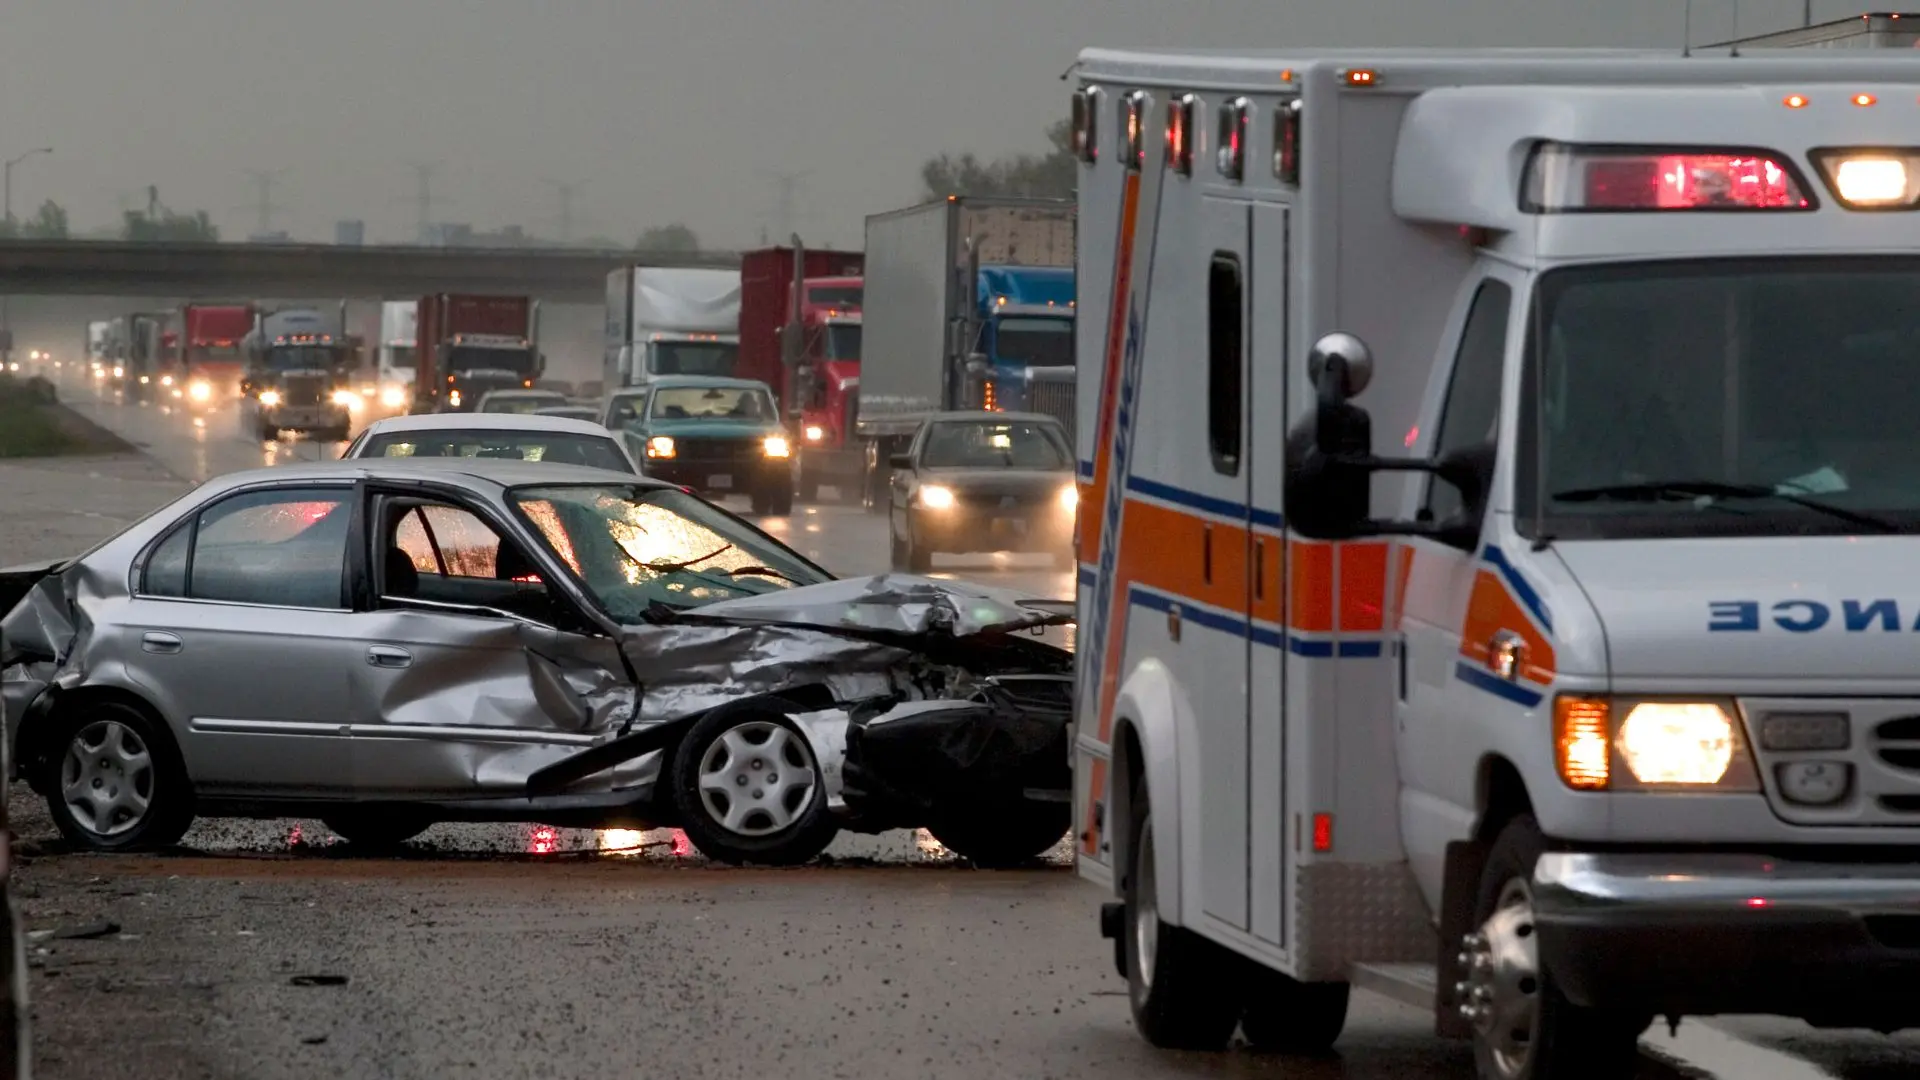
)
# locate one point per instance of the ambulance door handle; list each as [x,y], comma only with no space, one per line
[1206,554]
[1259,568]
[1400,652]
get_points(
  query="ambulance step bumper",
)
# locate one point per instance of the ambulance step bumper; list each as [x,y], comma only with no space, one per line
[1699,934]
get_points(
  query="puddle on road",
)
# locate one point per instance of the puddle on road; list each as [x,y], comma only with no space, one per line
[536,843]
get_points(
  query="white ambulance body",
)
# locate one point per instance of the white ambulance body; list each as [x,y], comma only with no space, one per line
[1637,732]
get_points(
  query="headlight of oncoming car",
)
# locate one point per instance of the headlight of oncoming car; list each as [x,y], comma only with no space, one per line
[775,446]
[1650,744]
[1069,497]
[269,397]
[200,390]
[660,446]
[935,497]
[346,398]
[393,397]
[815,433]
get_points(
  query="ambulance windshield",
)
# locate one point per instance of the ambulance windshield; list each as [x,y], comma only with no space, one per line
[1725,398]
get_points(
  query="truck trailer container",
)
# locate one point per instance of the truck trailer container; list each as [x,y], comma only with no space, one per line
[467,345]
[670,321]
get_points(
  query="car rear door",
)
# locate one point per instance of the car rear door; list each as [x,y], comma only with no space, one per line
[240,631]
[460,693]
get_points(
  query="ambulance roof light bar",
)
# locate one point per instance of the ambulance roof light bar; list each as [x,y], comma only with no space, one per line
[1180,112]
[1086,124]
[1133,129]
[1230,153]
[1569,179]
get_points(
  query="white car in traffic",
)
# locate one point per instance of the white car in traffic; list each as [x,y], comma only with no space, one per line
[554,439]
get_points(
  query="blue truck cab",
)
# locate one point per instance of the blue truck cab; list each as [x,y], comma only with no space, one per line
[1025,320]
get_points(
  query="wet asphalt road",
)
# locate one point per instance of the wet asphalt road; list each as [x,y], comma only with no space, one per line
[270,949]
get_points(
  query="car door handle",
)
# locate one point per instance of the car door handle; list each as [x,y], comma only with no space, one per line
[159,641]
[388,656]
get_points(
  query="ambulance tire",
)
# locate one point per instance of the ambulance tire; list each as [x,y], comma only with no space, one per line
[1287,1016]
[1186,994]
[1567,1041]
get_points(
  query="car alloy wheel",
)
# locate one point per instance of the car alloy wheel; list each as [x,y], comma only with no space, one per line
[107,779]
[757,779]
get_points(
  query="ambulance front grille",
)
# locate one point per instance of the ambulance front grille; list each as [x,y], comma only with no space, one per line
[1867,749]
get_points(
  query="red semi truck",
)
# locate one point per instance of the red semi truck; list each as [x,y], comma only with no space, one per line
[211,361]
[468,345]
[800,334]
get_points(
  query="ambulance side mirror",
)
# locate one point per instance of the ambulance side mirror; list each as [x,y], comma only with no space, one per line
[1329,489]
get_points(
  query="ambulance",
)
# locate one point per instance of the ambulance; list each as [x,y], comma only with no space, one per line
[1499,576]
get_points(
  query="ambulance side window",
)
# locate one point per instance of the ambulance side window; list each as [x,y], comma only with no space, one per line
[1225,364]
[1472,407]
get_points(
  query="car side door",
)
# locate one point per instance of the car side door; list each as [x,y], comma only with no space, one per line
[473,663]
[240,630]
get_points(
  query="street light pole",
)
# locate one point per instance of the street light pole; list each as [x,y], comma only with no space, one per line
[6,214]
[7,197]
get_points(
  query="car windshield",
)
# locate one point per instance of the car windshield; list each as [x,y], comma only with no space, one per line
[554,447]
[973,444]
[712,403]
[1036,342]
[400,356]
[521,404]
[1724,398]
[300,357]
[635,547]
[473,358]
[569,412]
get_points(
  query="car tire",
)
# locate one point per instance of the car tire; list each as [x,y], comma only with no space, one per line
[1185,990]
[1561,1040]
[731,799]
[267,432]
[897,550]
[388,827]
[1287,1016]
[119,768]
[757,503]
[1007,838]
[805,488]
[919,557]
[780,500]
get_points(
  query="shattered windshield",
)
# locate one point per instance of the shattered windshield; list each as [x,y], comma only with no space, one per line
[634,547]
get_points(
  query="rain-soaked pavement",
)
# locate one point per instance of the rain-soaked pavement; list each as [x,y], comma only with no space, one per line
[273,949]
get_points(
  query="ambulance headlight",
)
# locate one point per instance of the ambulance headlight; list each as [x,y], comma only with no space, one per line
[1624,744]
[1875,179]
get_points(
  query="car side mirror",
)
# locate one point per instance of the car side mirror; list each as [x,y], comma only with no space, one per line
[900,462]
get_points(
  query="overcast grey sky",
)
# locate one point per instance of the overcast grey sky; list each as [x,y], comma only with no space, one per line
[666,110]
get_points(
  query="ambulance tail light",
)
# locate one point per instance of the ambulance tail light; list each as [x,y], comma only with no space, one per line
[1286,143]
[1133,129]
[1871,178]
[1086,124]
[1230,157]
[1180,134]
[1563,179]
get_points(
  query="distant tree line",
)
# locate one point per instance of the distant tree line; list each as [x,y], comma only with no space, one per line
[1052,175]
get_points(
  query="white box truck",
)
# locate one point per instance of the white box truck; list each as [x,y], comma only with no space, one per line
[394,364]
[1498,542]
[969,304]
[671,321]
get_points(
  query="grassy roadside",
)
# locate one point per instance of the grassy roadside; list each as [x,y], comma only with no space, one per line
[34,424]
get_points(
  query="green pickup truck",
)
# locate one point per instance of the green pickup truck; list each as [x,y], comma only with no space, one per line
[715,435]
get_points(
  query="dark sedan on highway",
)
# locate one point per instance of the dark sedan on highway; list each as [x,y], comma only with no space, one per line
[983,481]
[386,643]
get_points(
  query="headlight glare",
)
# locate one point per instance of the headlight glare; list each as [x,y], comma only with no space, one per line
[776,446]
[200,391]
[935,497]
[392,397]
[815,433]
[1069,497]
[1677,742]
[269,397]
[660,446]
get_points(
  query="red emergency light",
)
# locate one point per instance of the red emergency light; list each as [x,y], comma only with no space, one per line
[1578,179]
[1180,133]
[1231,155]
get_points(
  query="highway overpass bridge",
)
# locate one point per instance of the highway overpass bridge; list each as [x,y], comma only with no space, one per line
[94,268]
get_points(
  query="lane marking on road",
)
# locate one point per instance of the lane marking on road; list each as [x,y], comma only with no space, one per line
[1706,1051]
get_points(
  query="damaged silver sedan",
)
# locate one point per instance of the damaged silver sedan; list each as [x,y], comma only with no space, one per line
[386,644]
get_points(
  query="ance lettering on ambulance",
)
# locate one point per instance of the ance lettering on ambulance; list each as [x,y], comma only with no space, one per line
[1808,616]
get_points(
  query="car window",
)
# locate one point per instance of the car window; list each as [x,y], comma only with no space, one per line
[166,572]
[973,444]
[598,451]
[448,541]
[286,548]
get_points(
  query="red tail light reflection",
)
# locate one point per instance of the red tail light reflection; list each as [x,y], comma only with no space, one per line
[682,847]
[545,840]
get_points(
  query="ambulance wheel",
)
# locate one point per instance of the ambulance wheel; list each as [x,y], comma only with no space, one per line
[1287,1016]
[1183,988]
[1523,1027]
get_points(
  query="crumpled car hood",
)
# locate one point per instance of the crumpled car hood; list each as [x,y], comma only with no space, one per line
[903,604]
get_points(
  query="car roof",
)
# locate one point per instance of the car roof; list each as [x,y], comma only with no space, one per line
[477,421]
[983,416]
[726,382]
[479,475]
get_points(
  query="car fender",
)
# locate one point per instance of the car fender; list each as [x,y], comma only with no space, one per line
[1152,704]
